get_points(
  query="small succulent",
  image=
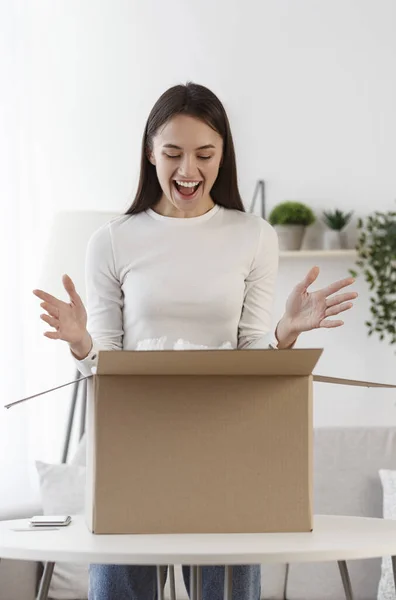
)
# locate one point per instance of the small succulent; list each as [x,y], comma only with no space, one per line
[337,219]
[291,213]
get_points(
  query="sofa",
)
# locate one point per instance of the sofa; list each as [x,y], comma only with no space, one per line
[346,482]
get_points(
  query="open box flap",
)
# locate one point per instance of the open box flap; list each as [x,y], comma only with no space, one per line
[342,381]
[299,361]
[45,392]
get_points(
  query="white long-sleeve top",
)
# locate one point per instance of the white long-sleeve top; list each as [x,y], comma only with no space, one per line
[156,282]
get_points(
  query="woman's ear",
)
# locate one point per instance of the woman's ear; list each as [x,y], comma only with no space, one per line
[150,156]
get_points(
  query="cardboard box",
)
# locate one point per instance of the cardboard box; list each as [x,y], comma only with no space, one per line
[214,441]
[202,441]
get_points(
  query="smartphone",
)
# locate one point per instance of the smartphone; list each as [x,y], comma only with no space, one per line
[50,521]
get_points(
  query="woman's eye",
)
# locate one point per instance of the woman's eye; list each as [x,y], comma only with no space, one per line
[179,156]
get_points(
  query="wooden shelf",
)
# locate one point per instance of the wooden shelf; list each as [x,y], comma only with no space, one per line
[318,254]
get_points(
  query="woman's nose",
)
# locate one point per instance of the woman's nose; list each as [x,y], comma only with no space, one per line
[188,166]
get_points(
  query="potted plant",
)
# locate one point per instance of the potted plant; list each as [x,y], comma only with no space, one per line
[334,237]
[290,220]
[376,249]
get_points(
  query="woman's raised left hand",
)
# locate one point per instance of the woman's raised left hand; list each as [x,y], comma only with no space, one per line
[312,310]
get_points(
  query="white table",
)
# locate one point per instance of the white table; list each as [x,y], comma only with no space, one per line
[334,538]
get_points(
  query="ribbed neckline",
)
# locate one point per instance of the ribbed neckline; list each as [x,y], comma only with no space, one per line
[184,222]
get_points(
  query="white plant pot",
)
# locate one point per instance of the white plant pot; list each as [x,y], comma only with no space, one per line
[290,236]
[334,240]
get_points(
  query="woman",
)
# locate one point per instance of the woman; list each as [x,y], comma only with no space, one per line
[185,266]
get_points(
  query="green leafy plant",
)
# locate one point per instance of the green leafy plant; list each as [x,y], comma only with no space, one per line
[291,213]
[336,219]
[376,248]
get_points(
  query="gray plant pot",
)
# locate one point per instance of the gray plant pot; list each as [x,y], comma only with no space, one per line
[290,236]
[334,240]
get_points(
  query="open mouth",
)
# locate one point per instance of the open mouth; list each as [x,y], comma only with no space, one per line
[186,189]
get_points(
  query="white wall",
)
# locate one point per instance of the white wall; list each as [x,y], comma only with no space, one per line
[13,424]
[310,89]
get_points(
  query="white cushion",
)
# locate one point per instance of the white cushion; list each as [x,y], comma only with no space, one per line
[386,588]
[62,488]
[80,455]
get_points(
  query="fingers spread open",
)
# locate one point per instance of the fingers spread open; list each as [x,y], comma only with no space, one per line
[48,298]
[51,309]
[328,323]
[339,298]
[308,280]
[337,308]
[50,320]
[53,335]
[338,285]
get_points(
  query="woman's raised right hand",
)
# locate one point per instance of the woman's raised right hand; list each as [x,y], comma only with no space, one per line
[69,319]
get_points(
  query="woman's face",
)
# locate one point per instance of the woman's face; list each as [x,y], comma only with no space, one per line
[187,154]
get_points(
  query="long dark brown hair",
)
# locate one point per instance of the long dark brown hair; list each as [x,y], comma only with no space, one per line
[197,101]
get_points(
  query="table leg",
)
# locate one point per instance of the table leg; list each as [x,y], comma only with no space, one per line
[199,583]
[228,583]
[172,583]
[394,569]
[45,581]
[160,583]
[287,568]
[193,582]
[346,582]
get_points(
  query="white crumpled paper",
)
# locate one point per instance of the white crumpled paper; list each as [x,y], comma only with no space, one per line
[159,344]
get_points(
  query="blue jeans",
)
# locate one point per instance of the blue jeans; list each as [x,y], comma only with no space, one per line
[124,582]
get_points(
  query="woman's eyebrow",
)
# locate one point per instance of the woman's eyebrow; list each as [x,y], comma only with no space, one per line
[206,147]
